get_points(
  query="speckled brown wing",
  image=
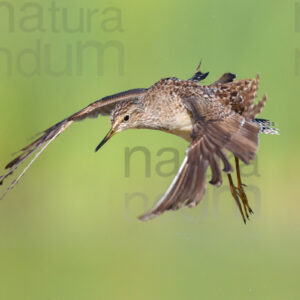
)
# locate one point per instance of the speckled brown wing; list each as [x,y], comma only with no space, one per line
[216,129]
[239,94]
[227,128]
[102,106]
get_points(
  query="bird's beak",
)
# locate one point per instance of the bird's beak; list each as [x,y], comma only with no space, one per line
[106,138]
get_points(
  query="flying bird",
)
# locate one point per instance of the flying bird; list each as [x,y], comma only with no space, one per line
[215,119]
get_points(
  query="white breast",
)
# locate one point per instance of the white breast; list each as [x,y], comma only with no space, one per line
[182,125]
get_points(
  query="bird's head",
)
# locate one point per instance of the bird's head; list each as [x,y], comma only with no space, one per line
[125,115]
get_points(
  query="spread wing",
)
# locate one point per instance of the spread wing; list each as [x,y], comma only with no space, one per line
[216,129]
[103,106]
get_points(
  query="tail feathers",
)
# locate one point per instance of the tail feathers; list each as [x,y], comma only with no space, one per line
[255,109]
[264,122]
[243,95]
[251,92]
[266,126]
[251,110]
[246,94]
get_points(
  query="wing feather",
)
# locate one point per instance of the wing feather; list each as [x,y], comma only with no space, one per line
[215,130]
[102,106]
[225,78]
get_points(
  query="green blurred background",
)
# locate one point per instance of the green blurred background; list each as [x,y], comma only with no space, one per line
[67,231]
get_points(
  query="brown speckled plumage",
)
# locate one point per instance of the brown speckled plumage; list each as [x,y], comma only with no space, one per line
[214,118]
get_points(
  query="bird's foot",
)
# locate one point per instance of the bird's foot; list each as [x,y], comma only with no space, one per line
[248,210]
[235,195]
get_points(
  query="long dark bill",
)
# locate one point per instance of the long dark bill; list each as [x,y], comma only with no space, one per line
[106,138]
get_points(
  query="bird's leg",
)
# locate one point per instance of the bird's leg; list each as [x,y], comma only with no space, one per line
[241,191]
[235,195]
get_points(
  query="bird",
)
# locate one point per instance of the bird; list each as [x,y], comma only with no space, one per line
[215,119]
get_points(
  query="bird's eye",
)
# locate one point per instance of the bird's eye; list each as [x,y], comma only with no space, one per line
[126,118]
